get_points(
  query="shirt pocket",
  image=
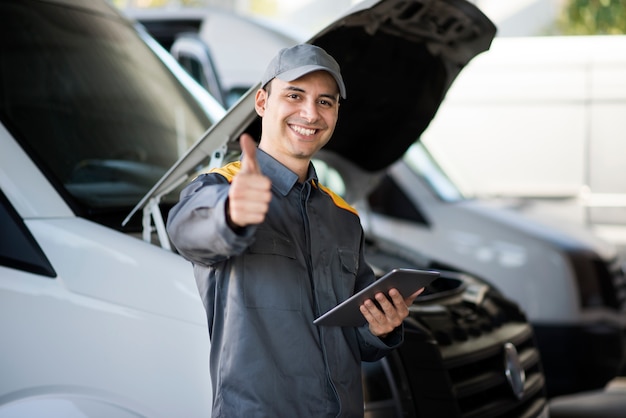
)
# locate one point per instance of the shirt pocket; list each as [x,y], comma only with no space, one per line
[273,278]
[346,271]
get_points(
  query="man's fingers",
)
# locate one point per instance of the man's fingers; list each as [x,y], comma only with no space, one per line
[250,191]
[249,163]
[388,313]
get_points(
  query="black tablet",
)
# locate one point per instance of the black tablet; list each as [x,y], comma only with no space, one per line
[348,314]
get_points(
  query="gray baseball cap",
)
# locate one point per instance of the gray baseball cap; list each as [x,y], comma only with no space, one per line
[294,62]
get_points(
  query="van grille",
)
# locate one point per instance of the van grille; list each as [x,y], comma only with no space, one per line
[452,362]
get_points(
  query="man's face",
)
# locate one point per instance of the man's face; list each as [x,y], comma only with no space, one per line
[299,116]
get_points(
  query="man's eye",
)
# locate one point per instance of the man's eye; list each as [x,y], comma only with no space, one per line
[293,96]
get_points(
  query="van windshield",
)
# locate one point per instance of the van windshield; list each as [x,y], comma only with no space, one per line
[92,104]
[424,165]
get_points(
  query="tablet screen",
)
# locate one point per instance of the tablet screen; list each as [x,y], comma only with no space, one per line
[348,313]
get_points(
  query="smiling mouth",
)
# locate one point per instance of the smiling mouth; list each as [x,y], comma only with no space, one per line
[303,131]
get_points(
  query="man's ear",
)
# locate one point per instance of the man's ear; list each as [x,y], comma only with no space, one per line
[259,102]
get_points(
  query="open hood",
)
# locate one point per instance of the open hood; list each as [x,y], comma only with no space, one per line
[398,59]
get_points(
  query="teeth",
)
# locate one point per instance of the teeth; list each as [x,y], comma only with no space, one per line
[303,131]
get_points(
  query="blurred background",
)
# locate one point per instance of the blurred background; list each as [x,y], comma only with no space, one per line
[513,17]
[537,121]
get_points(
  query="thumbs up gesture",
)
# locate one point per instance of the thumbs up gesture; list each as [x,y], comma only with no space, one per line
[250,191]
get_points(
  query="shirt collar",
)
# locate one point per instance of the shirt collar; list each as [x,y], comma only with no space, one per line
[283,179]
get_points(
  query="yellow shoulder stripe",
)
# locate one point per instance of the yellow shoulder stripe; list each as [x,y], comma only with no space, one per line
[228,171]
[338,200]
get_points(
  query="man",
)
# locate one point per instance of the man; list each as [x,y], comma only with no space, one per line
[273,249]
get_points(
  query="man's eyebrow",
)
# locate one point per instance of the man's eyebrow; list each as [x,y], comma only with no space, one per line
[294,88]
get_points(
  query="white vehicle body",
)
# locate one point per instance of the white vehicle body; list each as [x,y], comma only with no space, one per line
[95,322]
[570,283]
[523,257]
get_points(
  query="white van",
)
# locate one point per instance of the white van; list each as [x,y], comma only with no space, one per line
[94,321]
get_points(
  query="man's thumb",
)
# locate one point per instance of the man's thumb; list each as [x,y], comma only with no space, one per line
[249,162]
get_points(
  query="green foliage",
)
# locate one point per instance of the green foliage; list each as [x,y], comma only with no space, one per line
[593,17]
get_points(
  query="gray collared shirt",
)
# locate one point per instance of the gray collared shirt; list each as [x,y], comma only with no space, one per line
[263,287]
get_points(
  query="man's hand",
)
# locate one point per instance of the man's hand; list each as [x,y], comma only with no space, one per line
[250,191]
[391,313]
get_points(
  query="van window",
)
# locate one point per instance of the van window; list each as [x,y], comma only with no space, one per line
[389,199]
[92,104]
[18,248]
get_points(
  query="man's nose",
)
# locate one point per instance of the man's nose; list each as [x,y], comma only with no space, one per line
[309,110]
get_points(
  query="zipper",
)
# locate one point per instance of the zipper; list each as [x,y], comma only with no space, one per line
[304,196]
